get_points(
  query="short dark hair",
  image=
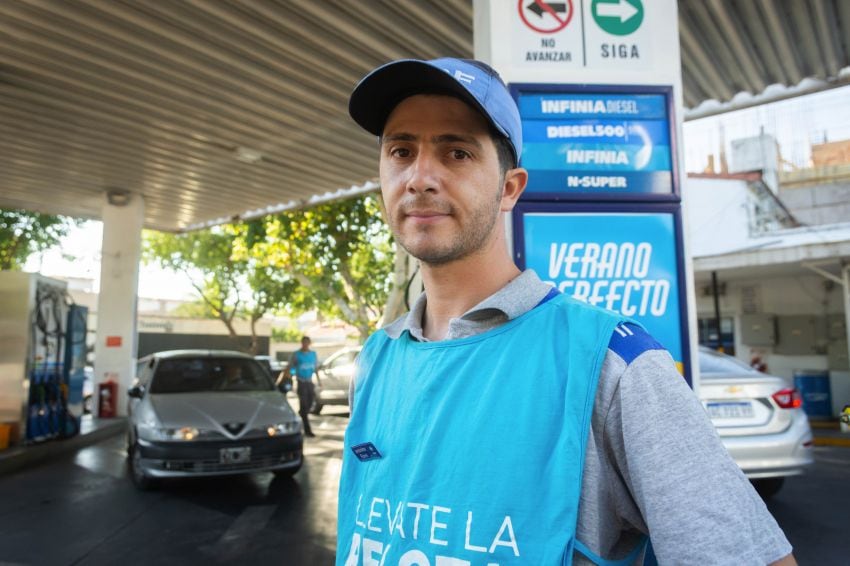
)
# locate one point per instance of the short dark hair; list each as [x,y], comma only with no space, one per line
[504,151]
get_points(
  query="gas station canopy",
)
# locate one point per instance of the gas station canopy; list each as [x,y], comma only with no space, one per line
[212,110]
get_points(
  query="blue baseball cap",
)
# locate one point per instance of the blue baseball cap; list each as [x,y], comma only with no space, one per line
[474,82]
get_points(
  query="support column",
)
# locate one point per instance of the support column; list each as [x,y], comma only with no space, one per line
[116,346]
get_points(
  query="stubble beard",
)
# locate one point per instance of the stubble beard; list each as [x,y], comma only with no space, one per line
[477,233]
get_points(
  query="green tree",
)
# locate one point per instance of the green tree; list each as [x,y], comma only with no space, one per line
[341,253]
[335,257]
[207,259]
[230,282]
[23,233]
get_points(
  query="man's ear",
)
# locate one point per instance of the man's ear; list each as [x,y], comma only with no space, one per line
[515,182]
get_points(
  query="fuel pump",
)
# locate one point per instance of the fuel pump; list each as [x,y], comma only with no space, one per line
[42,336]
[74,369]
[47,405]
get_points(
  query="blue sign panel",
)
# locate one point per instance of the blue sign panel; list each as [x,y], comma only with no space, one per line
[545,106]
[586,182]
[595,143]
[594,157]
[623,132]
[625,262]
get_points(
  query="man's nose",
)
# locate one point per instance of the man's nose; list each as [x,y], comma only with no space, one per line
[424,174]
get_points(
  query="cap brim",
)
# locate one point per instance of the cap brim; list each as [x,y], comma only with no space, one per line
[375,97]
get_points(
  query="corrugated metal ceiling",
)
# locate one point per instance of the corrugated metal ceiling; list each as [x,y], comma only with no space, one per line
[211,109]
[734,46]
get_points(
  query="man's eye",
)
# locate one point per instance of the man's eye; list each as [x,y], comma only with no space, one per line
[400,152]
[460,154]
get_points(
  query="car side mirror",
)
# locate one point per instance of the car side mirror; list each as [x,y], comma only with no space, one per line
[136,392]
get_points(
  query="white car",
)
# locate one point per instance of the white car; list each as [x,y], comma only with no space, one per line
[759,418]
[335,374]
[206,413]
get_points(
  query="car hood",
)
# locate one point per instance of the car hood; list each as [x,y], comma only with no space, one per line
[227,412]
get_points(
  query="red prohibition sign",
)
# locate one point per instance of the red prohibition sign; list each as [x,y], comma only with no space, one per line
[541,7]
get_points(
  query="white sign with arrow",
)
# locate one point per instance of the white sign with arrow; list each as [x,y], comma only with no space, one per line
[617,34]
[546,34]
[557,35]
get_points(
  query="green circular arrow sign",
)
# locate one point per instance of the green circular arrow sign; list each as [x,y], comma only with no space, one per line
[618,17]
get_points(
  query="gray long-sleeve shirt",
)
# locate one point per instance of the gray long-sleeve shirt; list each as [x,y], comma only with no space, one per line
[654,463]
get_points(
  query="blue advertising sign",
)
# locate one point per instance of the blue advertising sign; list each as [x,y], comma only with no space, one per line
[545,106]
[606,144]
[623,132]
[625,262]
[594,157]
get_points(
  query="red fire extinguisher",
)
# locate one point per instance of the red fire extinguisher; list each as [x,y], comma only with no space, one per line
[107,397]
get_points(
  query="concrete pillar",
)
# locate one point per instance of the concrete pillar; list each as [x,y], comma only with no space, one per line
[116,346]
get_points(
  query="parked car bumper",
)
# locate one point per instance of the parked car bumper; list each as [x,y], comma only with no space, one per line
[193,459]
[773,455]
[332,397]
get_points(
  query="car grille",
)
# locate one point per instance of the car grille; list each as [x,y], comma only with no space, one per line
[213,466]
[214,435]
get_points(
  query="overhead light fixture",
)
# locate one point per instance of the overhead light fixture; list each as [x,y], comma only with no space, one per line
[118,197]
[248,155]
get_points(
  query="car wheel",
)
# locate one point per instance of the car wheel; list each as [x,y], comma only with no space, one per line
[316,407]
[137,473]
[768,487]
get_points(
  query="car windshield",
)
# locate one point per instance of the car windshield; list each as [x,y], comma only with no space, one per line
[717,363]
[191,375]
[267,365]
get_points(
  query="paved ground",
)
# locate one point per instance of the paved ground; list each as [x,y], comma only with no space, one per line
[80,508]
[814,509]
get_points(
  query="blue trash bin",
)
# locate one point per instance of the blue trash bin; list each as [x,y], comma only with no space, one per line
[813,386]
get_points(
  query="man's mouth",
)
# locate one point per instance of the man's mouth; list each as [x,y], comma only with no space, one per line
[425,213]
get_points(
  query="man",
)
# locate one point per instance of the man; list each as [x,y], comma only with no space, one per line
[232,375]
[304,364]
[500,422]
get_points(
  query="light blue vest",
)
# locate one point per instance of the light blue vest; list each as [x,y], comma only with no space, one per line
[471,451]
[305,364]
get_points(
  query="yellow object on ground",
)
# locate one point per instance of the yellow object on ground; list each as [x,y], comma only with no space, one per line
[5,433]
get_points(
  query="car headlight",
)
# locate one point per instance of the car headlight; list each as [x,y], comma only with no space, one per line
[283,428]
[151,432]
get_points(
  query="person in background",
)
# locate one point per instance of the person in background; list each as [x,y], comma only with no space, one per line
[304,363]
[232,376]
[500,421]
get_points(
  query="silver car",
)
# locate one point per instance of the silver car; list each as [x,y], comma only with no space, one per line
[206,413]
[335,374]
[759,419]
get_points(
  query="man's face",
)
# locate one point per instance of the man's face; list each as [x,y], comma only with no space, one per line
[440,178]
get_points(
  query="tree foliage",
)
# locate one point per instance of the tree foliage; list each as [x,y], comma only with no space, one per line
[23,233]
[206,258]
[341,253]
[336,258]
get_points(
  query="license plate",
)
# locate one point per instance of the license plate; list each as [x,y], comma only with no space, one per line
[730,410]
[238,455]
